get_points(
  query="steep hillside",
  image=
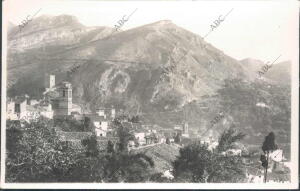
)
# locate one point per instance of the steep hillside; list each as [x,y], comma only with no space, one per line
[278,73]
[121,65]
[281,73]
[161,70]
[29,47]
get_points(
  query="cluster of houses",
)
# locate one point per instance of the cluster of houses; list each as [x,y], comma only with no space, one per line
[57,103]
[22,108]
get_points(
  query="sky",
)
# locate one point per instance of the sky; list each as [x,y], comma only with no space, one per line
[261,30]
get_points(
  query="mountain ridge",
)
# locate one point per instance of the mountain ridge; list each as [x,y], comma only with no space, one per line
[125,69]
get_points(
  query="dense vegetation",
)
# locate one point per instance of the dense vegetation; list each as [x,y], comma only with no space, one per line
[36,154]
[196,163]
[72,125]
[239,100]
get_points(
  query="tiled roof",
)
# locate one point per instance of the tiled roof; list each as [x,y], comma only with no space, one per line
[70,136]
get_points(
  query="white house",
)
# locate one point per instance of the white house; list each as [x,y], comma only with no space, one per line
[46,111]
[76,108]
[16,109]
[101,112]
[277,155]
[10,110]
[152,131]
[131,143]
[100,133]
[140,137]
[168,175]
[262,104]
[233,152]
[33,102]
[213,145]
[101,125]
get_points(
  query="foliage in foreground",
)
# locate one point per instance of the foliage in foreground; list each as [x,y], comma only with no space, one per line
[35,154]
[196,163]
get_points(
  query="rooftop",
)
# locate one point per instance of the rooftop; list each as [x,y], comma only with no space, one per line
[70,136]
[65,84]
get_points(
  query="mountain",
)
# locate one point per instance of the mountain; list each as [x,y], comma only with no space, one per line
[29,46]
[278,73]
[160,71]
[281,73]
[130,61]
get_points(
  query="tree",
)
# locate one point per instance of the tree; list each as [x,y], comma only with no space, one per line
[192,162]
[87,124]
[228,138]
[87,169]
[158,177]
[110,147]
[177,138]
[136,143]
[91,146]
[13,135]
[123,133]
[196,163]
[70,124]
[36,154]
[168,141]
[134,119]
[268,146]
[124,167]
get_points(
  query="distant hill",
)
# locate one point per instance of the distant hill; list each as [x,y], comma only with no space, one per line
[279,73]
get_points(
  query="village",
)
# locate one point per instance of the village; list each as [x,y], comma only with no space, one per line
[57,104]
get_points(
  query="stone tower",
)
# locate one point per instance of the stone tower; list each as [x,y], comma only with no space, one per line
[185,131]
[49,81]
[65,99]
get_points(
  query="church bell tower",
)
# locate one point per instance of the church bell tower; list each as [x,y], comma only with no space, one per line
[65,99]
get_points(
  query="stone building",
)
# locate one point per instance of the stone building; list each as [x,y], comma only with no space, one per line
[49,81]
[62,105]
[46,110]
[107,113]
[16,108]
